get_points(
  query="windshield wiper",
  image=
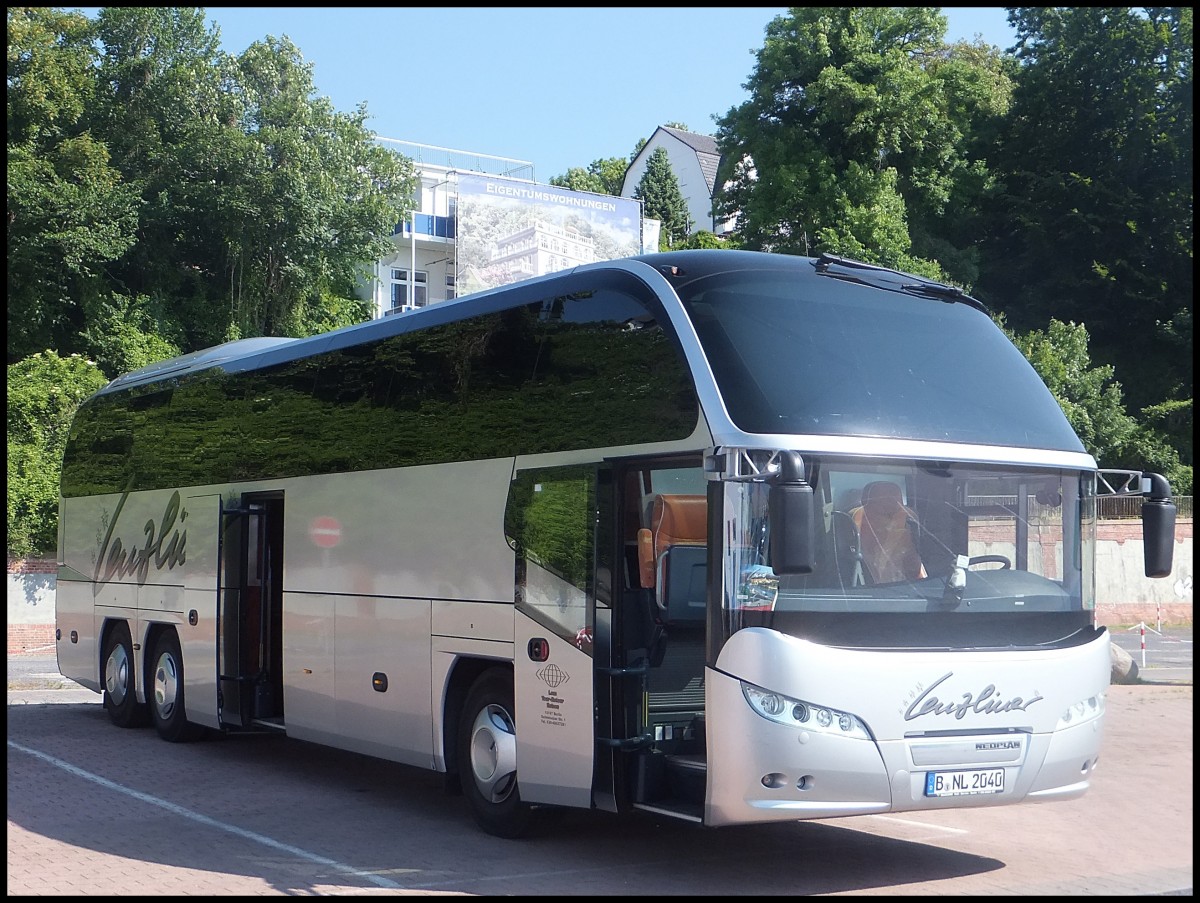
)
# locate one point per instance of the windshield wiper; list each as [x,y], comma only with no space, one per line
[924,288]
[825,261]
[944,292]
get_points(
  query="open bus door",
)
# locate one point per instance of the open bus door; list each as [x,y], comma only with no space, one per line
[551,523]
[651,641]
[250,613]
[609,643]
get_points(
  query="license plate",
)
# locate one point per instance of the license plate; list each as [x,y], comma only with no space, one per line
[962,783]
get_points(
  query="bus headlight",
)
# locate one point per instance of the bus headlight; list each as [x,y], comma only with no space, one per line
[800,713]
[1082,712]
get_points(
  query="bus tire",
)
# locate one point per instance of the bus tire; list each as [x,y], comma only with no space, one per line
[120,688]
[167,699]
[487,757]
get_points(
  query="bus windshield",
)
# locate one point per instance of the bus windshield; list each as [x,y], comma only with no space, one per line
[936,542]
[794,353]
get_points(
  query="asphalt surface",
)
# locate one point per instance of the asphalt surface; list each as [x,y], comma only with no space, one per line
[1164,657]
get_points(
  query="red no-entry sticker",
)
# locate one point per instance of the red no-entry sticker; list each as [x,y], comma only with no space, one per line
[325,531]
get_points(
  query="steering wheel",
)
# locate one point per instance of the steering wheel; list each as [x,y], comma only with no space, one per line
[1004,563]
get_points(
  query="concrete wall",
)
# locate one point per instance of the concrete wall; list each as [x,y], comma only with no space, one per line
[1124,595]
[31,606]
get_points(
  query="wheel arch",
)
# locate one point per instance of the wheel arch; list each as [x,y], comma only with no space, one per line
[465,671]
[139,650]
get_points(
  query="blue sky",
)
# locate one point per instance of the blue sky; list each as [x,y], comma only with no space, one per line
[555,87]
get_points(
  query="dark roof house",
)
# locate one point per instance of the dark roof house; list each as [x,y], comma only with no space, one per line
[694,160]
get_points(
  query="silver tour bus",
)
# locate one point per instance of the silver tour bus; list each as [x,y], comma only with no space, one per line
[727,536]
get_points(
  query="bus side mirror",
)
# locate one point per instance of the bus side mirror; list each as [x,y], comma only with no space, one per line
[1158,525]
[790,504]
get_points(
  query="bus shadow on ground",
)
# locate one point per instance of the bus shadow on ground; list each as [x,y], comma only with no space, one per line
[304,819]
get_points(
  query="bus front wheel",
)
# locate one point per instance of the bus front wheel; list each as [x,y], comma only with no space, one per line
[167,703]
[487,757]
[120,690]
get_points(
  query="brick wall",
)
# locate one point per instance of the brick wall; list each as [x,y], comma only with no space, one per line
[30,639]
[32,566]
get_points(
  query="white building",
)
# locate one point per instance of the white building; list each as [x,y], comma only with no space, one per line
[694,160]
[481,221]
[422,269]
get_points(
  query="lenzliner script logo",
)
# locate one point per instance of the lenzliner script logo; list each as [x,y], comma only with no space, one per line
[116,561]
[986,702]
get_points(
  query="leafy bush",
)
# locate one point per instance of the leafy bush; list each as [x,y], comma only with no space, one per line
[44,391]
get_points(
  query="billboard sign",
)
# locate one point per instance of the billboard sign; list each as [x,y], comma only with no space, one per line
[508,230]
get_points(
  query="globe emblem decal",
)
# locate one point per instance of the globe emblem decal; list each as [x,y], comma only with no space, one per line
[553,675]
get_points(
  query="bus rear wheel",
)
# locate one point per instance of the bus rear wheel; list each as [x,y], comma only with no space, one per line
[120,689]
[167,703]
[487,757]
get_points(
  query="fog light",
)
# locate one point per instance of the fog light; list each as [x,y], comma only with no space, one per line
[1082,711]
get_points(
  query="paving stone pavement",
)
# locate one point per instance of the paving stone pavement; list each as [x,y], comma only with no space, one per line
[77,808]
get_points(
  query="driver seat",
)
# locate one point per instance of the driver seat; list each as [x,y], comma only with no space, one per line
[885,528]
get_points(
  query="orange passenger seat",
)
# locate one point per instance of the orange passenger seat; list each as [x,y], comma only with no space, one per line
[672,554]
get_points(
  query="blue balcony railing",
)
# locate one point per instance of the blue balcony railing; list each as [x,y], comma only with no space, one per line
[427,224]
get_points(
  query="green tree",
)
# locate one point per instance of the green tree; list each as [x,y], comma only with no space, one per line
[123,335]
[164,196]
[69,211]
[658,190]
[168,106]
[44,391]
[601,177]
[855,137]
[159,187]
[258,198]
[1092,401]
[703,238]
[317,197]
[1093,221]
[975,82]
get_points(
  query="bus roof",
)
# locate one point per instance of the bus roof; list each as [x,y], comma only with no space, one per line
[252,353]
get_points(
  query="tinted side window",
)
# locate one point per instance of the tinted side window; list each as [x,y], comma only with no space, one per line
[588,366]
[568,371]
[549,522]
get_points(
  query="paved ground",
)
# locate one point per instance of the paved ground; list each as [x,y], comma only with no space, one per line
[269,815]
[96,811]
[1167,656]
